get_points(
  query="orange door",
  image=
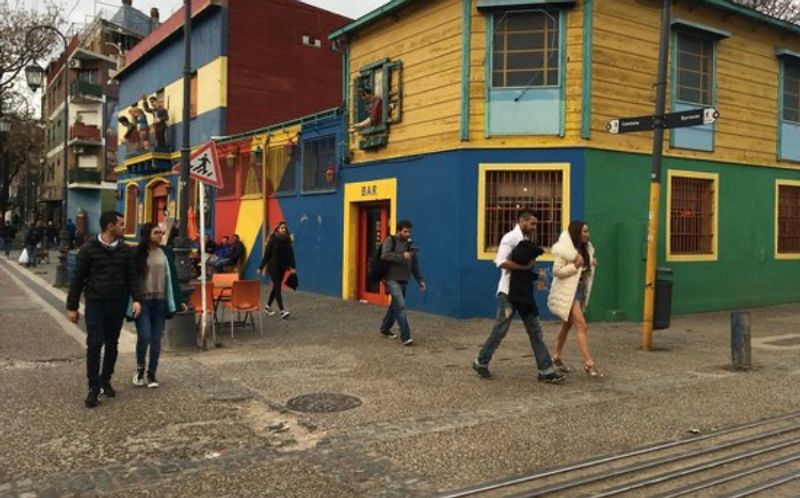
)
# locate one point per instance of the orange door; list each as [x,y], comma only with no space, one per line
[373,227]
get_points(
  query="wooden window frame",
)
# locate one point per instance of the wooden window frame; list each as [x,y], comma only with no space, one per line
[778,184]
[787,64]
[714,254]
[484,168]
[546,49]
[709,91]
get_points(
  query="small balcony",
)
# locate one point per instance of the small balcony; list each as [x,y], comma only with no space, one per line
[84,92]
[85,175]
[86,135]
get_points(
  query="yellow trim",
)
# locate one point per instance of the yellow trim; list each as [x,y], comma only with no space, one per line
[149,156]
[354,194]
[120,169]
[128,186]
[148,197]
[778,185]
[483,168]
[714,255]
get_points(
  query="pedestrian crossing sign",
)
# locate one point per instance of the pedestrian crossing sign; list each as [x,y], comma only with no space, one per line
[204,165]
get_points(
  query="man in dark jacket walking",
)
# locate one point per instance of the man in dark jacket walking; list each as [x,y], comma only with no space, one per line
[402,256]
[32,239]
[105,273]
[7,233]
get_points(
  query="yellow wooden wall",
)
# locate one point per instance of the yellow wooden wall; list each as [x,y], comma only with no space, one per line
[625,63]
[574,78]
[427,39]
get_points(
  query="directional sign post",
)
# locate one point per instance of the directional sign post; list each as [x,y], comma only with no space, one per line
[694,117]
[204,168]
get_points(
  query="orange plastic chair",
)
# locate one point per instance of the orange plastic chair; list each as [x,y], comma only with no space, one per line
[246,297]
[196,300]
[223,285]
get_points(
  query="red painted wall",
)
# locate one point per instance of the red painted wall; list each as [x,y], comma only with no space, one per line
[272,76]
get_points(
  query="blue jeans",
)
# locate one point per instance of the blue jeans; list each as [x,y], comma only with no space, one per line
[505,314]
[7,246]
[32,250]
[221,263]
[397,310]
[149,329]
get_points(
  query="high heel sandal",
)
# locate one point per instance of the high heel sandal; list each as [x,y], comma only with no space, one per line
[560,366]
[591,371]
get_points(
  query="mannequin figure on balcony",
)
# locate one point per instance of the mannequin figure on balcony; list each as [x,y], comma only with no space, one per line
[130,134]
[374,106]
[155,106]
[140,119]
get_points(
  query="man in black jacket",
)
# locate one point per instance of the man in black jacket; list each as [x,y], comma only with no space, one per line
[105,273]
[32,239]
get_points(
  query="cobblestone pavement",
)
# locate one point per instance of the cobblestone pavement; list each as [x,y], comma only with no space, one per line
[219,425]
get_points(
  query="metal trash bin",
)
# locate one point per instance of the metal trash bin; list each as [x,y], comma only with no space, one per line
[663,305]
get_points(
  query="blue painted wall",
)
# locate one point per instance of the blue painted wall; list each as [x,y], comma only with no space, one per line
[164,64]
[443,209]
[89,201]
[315,219]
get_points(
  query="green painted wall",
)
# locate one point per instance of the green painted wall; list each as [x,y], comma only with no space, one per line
[746,273]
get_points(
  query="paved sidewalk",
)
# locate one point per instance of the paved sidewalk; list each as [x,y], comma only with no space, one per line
[220,426]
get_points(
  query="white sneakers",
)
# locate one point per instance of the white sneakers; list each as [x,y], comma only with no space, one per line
[139,380]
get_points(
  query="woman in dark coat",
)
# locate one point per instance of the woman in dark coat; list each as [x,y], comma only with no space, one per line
[278,259]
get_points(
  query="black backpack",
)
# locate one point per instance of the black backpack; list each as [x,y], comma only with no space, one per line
[377,268]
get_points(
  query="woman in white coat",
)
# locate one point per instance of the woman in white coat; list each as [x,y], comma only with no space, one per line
[573,274]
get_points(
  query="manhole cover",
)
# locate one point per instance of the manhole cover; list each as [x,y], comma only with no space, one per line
[323,403]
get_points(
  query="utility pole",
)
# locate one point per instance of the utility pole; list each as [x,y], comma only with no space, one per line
[655,179]
[181,330]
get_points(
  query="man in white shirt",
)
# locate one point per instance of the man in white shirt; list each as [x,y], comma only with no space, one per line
[525,229]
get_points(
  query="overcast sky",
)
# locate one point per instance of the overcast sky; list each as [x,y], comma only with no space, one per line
[81,11]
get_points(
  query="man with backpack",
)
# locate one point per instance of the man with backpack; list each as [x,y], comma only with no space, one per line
[399,260]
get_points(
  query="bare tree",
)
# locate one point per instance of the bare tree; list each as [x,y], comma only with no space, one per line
[23,143]
[19,47]
[786,10]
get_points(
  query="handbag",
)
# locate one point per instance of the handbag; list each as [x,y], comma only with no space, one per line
[24,259]
[292,281]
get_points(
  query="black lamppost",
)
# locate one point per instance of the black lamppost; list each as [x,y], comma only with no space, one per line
[34,74]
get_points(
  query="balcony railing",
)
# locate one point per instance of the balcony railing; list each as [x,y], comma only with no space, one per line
[80,131]
[85,89]
[85,175]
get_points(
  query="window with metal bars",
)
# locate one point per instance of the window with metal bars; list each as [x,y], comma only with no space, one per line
[509,192]
[692,216]
[788,219]
[318,155]
[695,78]
[525,49]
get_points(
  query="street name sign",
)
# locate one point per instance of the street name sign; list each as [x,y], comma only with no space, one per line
[204,165]
[694,117]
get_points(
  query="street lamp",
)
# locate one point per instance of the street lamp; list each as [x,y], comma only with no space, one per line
[34,74]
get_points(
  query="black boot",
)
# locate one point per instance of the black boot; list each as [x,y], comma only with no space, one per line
[91,398]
